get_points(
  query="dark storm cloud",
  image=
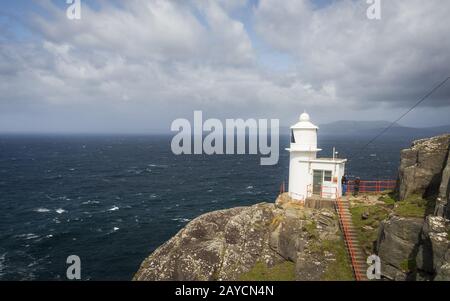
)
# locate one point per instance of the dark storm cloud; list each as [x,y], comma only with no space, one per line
[138,65]
[394,60]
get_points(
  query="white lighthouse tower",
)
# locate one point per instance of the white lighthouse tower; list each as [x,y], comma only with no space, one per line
[310,176]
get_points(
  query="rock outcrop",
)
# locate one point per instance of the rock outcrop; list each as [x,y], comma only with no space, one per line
[443,201]
[217,245]
[421,168]
[397,246]
[225,244]
[419,248]
[433,256]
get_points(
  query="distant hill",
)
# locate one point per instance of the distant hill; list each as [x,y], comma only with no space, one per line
[372,128]
[349,127]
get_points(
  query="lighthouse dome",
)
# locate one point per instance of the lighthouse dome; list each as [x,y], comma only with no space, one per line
[304,117]
[304,123]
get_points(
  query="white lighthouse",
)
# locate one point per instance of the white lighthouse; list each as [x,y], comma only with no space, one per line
[310,176]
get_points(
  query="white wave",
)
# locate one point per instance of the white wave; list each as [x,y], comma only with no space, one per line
[90,202]
[181,219]
[114,208]
[27,236]
[60,211]
[157,165]
[249,187]
[42,210]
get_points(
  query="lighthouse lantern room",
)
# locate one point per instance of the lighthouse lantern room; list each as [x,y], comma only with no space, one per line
[310,176]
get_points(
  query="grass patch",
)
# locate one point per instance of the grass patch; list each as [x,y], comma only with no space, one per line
[388,199]
[340,269]
[413,206]
[408,265]
[311,229]
[367,236]
[284,271]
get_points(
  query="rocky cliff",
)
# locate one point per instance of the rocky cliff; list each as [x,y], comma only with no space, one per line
[287,241]
[425,171]
[413,243]
[281,241]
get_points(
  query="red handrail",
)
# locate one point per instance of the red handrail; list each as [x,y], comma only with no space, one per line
[349,240]
[372,186]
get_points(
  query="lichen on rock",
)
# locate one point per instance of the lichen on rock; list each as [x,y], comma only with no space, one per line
[239,242]
[413,243]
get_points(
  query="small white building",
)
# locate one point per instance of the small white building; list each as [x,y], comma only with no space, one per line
[310,176]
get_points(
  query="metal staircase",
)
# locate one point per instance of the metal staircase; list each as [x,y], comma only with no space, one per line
[354,250]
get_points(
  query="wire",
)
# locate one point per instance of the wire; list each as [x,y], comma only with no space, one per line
[403,115]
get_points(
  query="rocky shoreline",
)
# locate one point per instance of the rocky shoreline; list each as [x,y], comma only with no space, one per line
[408,229]
[282,238]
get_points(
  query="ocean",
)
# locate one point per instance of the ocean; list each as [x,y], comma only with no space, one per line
[112,200]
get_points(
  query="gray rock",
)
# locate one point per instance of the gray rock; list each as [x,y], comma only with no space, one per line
[421,167]
[289,238]
[397,246]
[443,201]
[222,245]
[307,269]
[216,245]
[434,253]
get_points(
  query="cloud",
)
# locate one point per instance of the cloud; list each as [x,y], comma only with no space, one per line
[136,65]
[392,61]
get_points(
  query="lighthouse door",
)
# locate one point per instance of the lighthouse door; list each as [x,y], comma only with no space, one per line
[317,181]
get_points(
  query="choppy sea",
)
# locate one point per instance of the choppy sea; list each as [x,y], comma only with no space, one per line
[112,200]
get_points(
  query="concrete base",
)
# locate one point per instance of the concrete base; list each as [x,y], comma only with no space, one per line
[319,203]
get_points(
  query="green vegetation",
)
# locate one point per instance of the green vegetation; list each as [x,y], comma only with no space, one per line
[340,269]
[413,206]
[368,228]
[311,228]
[284,271]
[388,199]
[408,265]
[337,270]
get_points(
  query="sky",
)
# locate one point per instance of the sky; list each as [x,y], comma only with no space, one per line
[134,66]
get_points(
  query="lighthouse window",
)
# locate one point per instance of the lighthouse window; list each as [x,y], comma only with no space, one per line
[327,176]
[292,136]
